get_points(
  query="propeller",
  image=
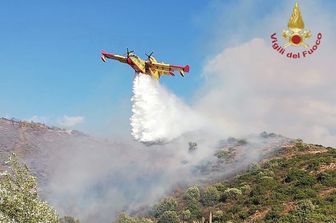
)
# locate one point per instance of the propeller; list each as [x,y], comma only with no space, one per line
[128,52]
[150,55]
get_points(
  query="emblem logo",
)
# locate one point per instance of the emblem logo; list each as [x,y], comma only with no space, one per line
[295,36]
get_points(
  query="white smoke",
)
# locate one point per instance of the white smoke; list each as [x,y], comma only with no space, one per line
[157,114]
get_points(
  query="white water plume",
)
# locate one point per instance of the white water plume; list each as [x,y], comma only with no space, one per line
[157,114]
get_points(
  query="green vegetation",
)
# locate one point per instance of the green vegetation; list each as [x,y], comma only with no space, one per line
[169,217]
[166,205]
[226,155]
[19,201]
[68,219]
[211,196]
[192,197]
[296,185]
[124,218]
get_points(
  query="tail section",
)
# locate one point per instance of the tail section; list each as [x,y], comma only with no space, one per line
[186,68]
[103,58]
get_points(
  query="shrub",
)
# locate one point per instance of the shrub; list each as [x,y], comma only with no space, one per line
[225,155]
[186,215]
[245,189]
[19,201]
[313,165]
[192,194]
[218,216]
[211,196]
[255,168]
[220,187]
[195,210]
[326,179]
[144,220]
[299,193]
[167,204]
[267,183]
[300,145]
[306,205]
[169,217]
[274,214]
[124,218]
[192,146]
[232,193]
[300,178]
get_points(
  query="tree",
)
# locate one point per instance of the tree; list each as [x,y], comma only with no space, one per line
[186,215]
[192,194]
[192,197]
[144,220]
[19,201]
[167,204]
[211,196]
[169,217]
[124,218]
[218,216]
[232,193]
[195,210]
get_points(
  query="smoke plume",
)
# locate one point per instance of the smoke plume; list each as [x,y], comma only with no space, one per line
[95,180]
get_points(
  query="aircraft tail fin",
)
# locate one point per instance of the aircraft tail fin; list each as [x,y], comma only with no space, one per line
[186,68]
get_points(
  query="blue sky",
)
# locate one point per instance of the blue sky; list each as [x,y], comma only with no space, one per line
[49,56]
[49,52]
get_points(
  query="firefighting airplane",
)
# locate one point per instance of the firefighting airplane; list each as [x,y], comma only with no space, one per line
[150,66]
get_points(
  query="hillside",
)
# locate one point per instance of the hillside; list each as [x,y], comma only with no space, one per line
[114,175]
[296,184]
[34,143]
[261,178]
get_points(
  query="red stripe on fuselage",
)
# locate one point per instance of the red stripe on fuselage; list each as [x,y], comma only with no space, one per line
[134,66]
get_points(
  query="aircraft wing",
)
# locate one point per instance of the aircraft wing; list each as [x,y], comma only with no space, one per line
[169,69]
[112,56]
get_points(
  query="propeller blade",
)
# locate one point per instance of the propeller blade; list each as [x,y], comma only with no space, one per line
[128,52]
[149,54]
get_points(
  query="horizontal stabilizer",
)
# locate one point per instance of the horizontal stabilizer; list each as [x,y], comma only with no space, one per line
[103,58]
